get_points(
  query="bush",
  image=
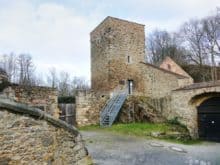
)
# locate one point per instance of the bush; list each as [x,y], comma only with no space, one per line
[4,84]
[174,121]
[66,100]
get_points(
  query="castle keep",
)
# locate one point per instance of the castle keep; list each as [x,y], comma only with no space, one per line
[119,73]
[118,60]
[117,47]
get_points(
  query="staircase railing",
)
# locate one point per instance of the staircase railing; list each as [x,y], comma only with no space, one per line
[112,107]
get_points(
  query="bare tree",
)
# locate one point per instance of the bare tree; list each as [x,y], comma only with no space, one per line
[26,69]
[8,63]
[161,44]
[64,84]
[52,78]
[79,83]
[211,26]
[193,39]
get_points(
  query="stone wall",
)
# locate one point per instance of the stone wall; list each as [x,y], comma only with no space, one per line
[88,107]
[44,98]
[28,136]
[117,47]
[159,83]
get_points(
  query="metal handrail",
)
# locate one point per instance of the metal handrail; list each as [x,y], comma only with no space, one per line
[111,109]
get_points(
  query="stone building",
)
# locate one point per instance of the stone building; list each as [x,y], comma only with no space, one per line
[117,60]
[117,64]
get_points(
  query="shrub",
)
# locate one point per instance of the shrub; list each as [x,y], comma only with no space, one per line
[4,84]
[66,100]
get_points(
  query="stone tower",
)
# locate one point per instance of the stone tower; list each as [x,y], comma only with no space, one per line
[117,48]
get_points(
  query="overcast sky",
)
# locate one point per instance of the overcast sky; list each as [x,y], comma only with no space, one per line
[56,32]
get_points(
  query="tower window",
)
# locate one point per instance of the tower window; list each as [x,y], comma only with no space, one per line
[129,59]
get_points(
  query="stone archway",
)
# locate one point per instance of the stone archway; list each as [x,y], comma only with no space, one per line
[207,108]
[184,105]
[209,119]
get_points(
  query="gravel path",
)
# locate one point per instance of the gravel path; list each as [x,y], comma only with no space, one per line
[113,149]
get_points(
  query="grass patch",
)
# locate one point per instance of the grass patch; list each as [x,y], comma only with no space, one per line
[165,131]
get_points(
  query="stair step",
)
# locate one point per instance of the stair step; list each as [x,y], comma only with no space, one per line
[110,111]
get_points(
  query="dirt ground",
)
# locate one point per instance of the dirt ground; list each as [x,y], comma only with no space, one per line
[115,149]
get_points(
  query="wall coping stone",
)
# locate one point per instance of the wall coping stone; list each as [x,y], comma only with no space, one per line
[200,85]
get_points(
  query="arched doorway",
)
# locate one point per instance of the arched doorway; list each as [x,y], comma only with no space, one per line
[209,119]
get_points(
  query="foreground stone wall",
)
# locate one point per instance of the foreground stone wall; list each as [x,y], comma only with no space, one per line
[44,98]
[40,139]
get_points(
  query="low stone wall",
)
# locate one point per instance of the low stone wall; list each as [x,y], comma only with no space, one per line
[159,83]
[30,136]
[44,98]
[88,107]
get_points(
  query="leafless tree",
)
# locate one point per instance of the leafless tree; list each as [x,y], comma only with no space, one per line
[64,84]
[79,83]
[211,26]
[193,38]
[52,78]
[161,44]
[8,63]
[25,69]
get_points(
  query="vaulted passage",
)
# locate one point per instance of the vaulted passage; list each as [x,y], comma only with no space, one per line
[209,119]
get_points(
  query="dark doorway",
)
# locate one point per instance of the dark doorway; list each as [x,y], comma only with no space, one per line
[68,113]
[209,119]
[130,86]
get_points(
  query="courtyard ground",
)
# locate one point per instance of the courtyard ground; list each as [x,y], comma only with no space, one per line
[108,148]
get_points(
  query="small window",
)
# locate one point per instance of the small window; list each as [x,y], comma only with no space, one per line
[129,59]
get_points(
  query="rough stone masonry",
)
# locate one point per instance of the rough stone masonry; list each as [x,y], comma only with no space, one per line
[30,136]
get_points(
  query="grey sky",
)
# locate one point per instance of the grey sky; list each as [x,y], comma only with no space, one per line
[56,32]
